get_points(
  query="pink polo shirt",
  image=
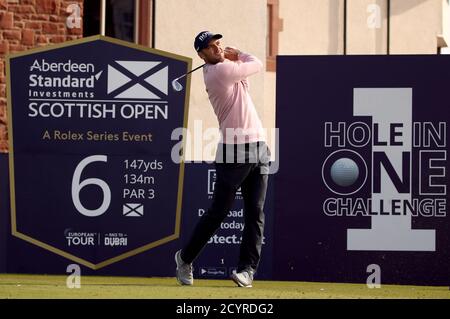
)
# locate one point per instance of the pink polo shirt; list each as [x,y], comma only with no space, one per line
[228,90]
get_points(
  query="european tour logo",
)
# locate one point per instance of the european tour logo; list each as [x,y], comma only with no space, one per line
[399,149]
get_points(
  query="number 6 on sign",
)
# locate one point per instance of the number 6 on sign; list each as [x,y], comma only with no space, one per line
[77,186]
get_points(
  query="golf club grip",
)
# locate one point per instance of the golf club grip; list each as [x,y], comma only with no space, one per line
[201,66]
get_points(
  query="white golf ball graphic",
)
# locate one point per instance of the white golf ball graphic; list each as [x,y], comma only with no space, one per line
[344,172]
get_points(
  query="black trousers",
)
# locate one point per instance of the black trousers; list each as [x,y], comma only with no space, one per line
[245,166]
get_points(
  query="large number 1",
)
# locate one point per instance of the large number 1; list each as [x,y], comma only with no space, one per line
[77,186]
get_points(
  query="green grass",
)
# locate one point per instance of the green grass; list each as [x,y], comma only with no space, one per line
[46,286]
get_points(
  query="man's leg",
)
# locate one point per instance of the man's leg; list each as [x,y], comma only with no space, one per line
[254,190]
[229,178]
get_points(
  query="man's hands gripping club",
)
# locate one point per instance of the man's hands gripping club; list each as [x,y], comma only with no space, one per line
[231,53]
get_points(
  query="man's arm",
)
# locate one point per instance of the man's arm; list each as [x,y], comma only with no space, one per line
[235,72]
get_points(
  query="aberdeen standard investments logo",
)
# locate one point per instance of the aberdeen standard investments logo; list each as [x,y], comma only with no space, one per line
[70,89]
[391,171]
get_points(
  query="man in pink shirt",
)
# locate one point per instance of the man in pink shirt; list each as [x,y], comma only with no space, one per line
[242,158]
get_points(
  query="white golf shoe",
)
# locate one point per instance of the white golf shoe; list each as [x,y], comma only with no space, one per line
[243,278]
[184,271]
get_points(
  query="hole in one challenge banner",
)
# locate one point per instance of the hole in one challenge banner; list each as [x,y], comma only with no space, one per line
[92,178]
[364,168]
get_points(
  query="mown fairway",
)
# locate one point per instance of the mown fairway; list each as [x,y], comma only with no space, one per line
[46,286]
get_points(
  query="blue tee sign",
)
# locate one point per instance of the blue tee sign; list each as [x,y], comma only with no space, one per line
[92,177]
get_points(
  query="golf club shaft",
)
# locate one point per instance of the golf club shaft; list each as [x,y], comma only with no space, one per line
[201,66]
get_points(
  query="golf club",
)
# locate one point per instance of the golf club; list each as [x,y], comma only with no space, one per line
[177,85]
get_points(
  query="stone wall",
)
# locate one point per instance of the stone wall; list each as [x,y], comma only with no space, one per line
[25,24]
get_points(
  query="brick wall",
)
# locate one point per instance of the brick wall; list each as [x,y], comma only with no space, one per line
[26,24]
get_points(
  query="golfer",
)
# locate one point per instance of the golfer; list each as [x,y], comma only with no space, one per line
[242,158]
